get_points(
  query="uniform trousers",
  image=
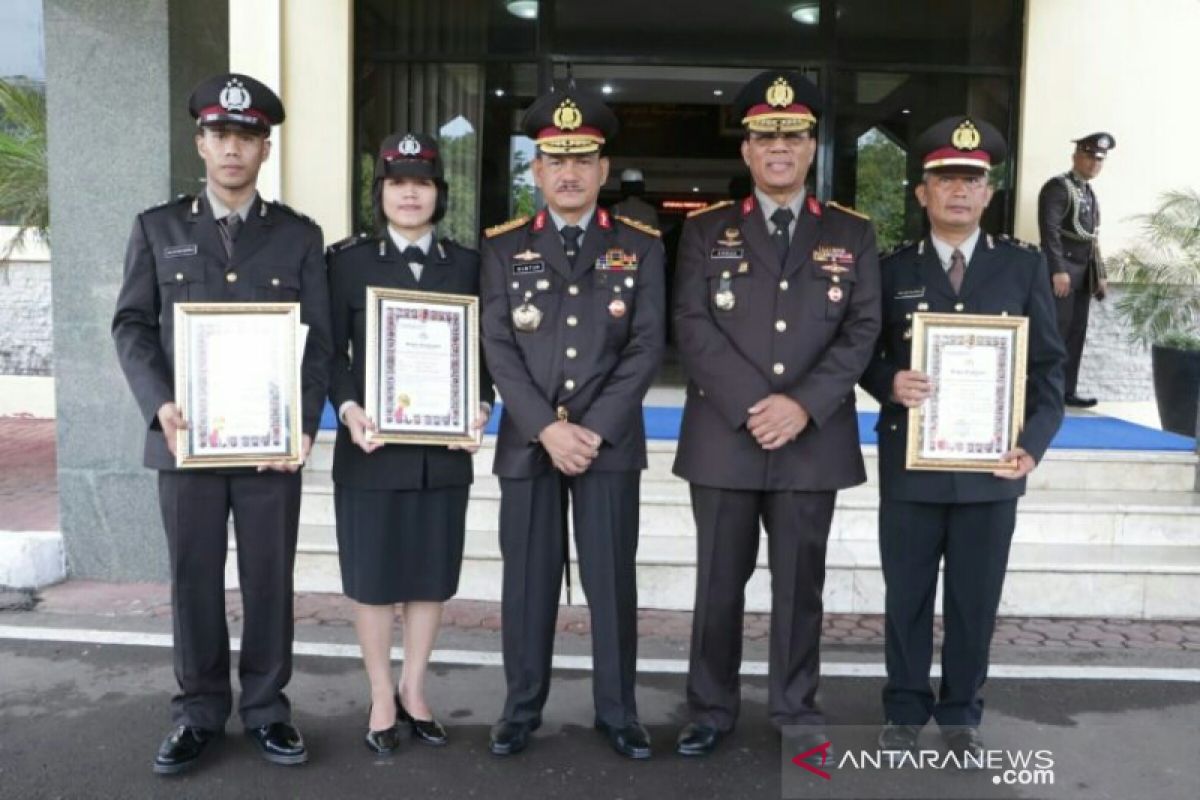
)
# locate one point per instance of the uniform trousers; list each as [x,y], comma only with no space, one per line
[533,517]
[727,531]
[1073,313]
[914,538]
[266,514]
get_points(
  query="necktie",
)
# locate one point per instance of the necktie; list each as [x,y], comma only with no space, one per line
[415,258]
[571,235]
[958,268]
[231,225]
[782,218]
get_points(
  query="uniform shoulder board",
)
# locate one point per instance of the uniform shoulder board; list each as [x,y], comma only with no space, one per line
[179,199]
[898,248]
[706,209]
[348,242]
[637,224]
[847,210]
[1015,242]
[505,227]
[293,212]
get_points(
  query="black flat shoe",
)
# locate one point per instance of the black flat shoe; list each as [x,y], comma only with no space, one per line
[429,731]
[965,743]
[1075,401]
[510,738]
[279,743]
[382,742]
[631,741]
[698,740]
[181,749]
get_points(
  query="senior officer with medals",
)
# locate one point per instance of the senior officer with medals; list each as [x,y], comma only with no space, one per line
[573,327]
[963,518]
[1069,224]
[226,244]
[776,313]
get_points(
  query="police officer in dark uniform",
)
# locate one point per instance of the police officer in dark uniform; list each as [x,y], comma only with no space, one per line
[776,314]
[226,244]
[573,326]
[963,518]
[1069,222]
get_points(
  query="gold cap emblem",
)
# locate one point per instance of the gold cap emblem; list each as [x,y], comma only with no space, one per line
[567,116]
[966,136]
[780,93]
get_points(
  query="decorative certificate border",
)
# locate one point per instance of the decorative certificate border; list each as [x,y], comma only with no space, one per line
[933,334]
[387,311]
[273,330]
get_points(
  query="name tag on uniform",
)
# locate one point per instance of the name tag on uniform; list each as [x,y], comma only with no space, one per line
[529,269]
[910,294]
[728,252]
[180,251]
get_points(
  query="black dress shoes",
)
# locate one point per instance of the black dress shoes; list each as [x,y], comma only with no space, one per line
[510,738]
[1075,401]
[429,731]
[816,743]
[631,741]
[181,749]
[967,745]
[279,743]
[698,740]
[899,738]
[382,742]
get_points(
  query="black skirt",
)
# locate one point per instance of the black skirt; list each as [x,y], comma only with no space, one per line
[400,545]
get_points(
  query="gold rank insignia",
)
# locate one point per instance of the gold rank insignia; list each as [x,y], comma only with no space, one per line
[637,224]
[706,209]
[505,227]
[527,255]
[567,117]
[966,136]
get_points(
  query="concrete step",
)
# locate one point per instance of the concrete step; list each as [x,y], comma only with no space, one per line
[1061,470]
[1111,518]
[1093,580]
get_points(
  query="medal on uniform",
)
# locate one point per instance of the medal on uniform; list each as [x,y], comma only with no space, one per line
[527,317]
[724,299]
[834,294]
[617,308]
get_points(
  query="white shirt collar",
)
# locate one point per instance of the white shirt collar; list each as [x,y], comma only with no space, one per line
[220,210]
[402,244]
[944,251]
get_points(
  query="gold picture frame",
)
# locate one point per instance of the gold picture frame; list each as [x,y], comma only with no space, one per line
[977,364]
[237,383]
[437,334]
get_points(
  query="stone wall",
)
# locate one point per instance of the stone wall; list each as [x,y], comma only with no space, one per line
[1113,369]
[26,333]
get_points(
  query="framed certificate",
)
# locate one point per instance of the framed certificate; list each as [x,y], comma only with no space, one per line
[237,383]
[422,366]
[976,364]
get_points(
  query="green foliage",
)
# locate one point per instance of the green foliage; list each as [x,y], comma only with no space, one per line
[524,198]
[880,187]
[1162,299]
[24,188]
[460,161]
[1181,341]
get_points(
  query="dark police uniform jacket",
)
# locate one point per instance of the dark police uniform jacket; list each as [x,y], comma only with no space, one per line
[1003,276]
[175,254]
[1068,220]
[598,346]
[355,264]
[806,330]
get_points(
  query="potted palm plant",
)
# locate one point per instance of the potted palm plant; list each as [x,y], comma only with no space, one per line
[1161,304]
[24,194]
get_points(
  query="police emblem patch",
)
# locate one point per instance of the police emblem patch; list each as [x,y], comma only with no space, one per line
[234,97]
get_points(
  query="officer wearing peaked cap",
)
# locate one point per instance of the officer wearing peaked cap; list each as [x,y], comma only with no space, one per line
[573,328]
[776,313]
[1069,223]
[964,518]
[226,244]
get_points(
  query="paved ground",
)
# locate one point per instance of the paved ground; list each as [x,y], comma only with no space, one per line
[28,480]
[82,720]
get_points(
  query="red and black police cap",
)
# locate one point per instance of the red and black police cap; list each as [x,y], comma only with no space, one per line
[1096,144]
[961,144]
[571,122]
[235,99]
[778,101]
[409,155]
